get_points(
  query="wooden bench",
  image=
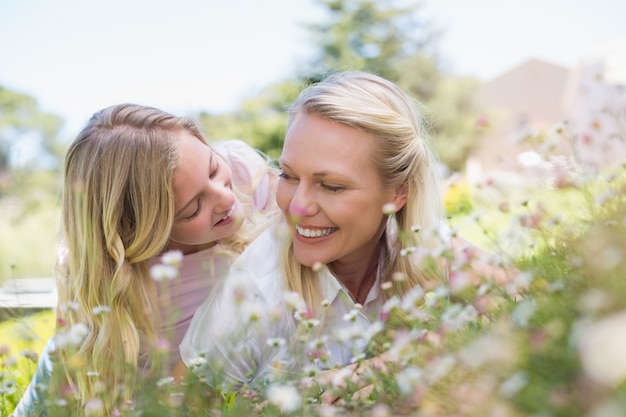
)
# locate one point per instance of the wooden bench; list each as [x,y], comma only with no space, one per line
[27,295]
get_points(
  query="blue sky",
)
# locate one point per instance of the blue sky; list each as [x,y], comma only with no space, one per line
[77,56]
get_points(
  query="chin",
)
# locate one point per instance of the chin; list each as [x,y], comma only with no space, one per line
[307,260]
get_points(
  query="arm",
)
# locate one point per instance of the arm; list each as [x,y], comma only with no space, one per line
[180,371]
[32,401]
[226,343]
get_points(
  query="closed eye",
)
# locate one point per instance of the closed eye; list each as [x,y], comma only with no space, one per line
[195,213]
[215,171]
[333,188]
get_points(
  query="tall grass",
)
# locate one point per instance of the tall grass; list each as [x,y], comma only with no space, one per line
[477,350]
[547,341]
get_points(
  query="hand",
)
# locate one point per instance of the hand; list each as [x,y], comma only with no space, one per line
[180,372]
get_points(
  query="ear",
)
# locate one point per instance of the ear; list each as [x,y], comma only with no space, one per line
[401,196]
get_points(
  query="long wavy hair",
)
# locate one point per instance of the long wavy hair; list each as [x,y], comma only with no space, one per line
[403,158]
[117,213]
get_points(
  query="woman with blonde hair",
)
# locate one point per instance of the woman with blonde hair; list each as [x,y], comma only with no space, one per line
[360,195]
[143,187]
[388,127]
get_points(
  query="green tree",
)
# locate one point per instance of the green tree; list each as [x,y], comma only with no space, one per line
[30,149]
[29,180]
[448,107]
[386,37]
[389,38]
[29,186]
[261,121]
[21,119]
[373,35]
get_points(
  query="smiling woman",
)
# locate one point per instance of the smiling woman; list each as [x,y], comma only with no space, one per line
[334,200]
[359,192]
[139,184]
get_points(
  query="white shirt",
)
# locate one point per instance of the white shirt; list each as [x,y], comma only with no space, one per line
[179,299]
[243,351]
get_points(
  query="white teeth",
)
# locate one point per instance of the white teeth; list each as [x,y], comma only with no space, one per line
[314,233]
[230,212]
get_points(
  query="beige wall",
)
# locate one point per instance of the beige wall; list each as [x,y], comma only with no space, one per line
[538,96]
[524,99]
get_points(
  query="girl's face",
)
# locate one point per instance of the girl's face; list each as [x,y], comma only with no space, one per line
[206,209]
[331,192]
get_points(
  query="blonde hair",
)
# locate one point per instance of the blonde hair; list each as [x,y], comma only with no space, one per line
[117,213]
[403,158]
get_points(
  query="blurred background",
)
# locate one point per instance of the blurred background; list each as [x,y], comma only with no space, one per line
[496,77]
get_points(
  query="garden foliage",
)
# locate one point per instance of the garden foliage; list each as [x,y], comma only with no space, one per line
[547,339]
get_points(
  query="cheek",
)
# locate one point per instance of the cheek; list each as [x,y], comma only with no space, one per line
[202,224]
[360,214]
[180,232]
[193,231]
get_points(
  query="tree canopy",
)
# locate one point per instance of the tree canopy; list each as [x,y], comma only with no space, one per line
[386,37]
[24,125]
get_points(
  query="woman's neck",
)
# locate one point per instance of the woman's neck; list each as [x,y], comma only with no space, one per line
[358,277]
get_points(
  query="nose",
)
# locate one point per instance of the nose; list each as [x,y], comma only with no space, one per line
[303,202]
[222,196]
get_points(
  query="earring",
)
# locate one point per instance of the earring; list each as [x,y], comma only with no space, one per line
[391,231]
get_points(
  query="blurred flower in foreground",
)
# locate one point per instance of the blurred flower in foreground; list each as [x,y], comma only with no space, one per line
[160,272]
[73,337]
[285,397]
[94,406]
[294,301]
[172,258]
[602,350]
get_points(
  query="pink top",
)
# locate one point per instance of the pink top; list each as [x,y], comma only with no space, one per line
[179,299]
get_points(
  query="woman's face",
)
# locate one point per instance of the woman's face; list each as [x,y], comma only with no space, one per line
[331,192]
[206,209]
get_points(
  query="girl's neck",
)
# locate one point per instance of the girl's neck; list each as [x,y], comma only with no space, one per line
[188,249]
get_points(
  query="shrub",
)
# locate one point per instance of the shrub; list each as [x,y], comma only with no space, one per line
[458,197]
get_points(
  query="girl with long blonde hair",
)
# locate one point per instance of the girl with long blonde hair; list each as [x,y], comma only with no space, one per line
[140,183]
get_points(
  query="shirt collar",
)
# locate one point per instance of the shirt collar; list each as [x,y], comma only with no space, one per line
[330,287]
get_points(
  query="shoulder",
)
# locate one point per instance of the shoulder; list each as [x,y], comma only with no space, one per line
[250,289]
[252,170]
[260,262]
[239,154]
[33,397]
[255,275]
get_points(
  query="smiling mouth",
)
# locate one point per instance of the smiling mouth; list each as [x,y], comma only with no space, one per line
[302,231]
[226,216]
